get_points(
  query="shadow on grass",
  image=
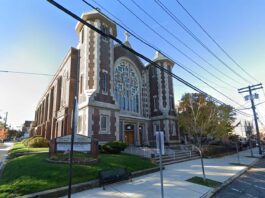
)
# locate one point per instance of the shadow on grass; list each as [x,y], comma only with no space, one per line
[239,164]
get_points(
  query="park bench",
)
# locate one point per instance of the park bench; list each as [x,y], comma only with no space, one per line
[115,175]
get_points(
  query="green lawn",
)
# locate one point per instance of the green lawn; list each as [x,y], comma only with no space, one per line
[21,148]
[31,173]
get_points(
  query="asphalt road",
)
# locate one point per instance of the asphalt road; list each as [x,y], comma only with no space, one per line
[249,185]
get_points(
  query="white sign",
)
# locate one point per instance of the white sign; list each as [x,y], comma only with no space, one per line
[160,144]
[81,143]
[77,147]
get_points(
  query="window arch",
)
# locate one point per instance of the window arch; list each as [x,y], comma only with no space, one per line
[126,86]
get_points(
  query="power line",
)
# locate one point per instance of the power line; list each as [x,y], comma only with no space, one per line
[183,26]
[216,43]
[183,43]
[137,36]
[145,42]
[170,43]
[27,73]
[179,64]
[108,35]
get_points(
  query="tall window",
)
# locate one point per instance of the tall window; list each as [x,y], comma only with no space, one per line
[126,87]
[104,82]
[79,126]
[171,102]
[104,124]
[82,35]
[105,29]
[155,103]
[81,84]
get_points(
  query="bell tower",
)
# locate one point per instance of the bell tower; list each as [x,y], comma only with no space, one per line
[97,108]
[162,105]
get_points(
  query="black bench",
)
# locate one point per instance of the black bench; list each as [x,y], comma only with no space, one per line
[111,176]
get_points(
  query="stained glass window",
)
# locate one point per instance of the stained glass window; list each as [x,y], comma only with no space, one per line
[126,87]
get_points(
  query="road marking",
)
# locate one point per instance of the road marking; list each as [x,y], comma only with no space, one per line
[251,195]
[234,189]
[258,174]
[244,182]
[259,187]
[254,178]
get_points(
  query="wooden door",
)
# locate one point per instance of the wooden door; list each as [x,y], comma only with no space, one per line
[129,137]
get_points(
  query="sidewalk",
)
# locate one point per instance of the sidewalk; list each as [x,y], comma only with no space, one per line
[175,176]
[3,153]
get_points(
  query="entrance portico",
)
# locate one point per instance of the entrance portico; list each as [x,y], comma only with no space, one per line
[133,131]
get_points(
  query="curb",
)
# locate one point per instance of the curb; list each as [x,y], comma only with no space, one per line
[62,191]
[230,180]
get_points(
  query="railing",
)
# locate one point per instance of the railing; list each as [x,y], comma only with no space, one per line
[140,151]
[149,152]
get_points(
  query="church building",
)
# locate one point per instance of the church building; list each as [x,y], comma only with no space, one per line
[119,98]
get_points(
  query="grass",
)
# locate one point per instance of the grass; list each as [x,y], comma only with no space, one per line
[207,182]
[32,173]
[19,148]
[238,164]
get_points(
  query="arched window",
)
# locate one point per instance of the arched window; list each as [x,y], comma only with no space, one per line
[126,86]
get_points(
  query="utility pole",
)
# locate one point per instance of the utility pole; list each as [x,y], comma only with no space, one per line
[6,120]
[251,97]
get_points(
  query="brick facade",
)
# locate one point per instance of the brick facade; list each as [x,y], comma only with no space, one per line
[130,110]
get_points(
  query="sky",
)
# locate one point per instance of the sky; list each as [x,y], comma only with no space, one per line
[35,36]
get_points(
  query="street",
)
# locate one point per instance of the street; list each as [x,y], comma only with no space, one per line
[250,184]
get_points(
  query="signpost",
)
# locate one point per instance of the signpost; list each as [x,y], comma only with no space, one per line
[161,151]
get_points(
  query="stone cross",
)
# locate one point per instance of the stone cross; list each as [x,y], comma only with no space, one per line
[126,36]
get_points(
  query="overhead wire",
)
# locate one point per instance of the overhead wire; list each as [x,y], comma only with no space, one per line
[172,45]
[27,73]
[154,64]
[186,29]
[138,37]
[216,43]
[177,62]
[188,47]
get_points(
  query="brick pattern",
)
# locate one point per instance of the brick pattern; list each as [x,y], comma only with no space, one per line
[91,58]
[171,112]
[104,68]
[153,84]
[51,103]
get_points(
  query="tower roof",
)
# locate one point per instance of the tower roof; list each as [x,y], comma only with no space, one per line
[160,57]
[92,15]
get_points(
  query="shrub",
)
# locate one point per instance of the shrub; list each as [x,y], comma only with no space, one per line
[212,150]
[26,141]
[114,147]
[36,142]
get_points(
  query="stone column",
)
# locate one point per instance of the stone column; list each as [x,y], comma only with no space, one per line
[121,131]
[136,132]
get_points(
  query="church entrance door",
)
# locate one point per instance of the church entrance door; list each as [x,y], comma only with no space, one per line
[129,137]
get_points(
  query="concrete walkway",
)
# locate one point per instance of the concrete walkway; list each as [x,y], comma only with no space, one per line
[4,148]
[175,176]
